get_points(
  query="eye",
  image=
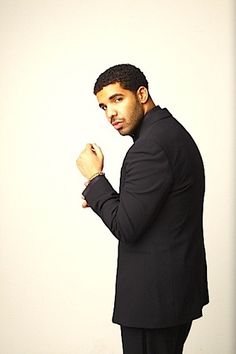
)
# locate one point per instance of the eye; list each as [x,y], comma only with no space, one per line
[103,107]
[118,99]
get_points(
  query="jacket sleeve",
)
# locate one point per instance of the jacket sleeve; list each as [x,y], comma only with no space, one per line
[145,185]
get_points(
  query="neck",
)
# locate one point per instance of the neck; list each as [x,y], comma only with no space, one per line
[148,105]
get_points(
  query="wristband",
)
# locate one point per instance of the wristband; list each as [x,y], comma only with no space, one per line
[95,175]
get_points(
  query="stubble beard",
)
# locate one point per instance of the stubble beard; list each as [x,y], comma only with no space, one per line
[135,121]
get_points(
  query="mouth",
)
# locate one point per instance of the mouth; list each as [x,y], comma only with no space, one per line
[117,124]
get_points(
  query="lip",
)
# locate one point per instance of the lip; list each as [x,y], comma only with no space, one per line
[118,124]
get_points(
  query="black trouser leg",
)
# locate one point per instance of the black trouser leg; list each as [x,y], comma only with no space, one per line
[133,340]
[154,341]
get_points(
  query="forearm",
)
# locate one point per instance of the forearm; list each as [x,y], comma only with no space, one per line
[146,183]
[104,201]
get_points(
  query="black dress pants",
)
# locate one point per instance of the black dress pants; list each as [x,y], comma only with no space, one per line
[154,341]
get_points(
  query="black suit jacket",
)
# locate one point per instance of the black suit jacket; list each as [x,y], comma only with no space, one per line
[157,218]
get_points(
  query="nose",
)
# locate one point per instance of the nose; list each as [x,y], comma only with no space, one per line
[110,113]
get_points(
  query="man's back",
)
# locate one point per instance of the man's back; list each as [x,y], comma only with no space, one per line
[162,266]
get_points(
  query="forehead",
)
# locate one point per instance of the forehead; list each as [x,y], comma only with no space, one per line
[109,91]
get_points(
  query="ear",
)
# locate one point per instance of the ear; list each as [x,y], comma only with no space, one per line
[143,94]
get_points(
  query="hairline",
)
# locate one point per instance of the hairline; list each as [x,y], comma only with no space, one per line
[122,85]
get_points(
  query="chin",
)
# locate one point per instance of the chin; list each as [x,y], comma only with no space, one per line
[123,132]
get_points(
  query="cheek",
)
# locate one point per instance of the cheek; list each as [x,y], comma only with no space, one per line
[124,112]
[137,113]
[131,111]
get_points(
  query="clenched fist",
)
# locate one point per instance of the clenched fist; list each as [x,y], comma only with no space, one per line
[90,160]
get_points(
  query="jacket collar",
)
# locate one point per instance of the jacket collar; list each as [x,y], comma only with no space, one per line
[155,114]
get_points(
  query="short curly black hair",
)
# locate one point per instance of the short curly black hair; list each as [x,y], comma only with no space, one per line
[129,76]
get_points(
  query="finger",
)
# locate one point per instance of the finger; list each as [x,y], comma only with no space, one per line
[85,204]
[97,150]
[89,146]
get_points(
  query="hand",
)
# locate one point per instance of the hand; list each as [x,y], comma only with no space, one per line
[90,160]
[85,203]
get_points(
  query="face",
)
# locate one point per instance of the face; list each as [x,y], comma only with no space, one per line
[123,108]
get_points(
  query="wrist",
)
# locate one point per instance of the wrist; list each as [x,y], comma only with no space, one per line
[100,173]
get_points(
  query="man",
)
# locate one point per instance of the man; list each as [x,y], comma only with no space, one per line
[161,283]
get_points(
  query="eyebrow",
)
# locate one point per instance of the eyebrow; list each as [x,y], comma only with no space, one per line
[101,105]
[114,95]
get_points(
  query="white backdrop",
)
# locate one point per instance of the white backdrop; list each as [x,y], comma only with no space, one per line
[58,261]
